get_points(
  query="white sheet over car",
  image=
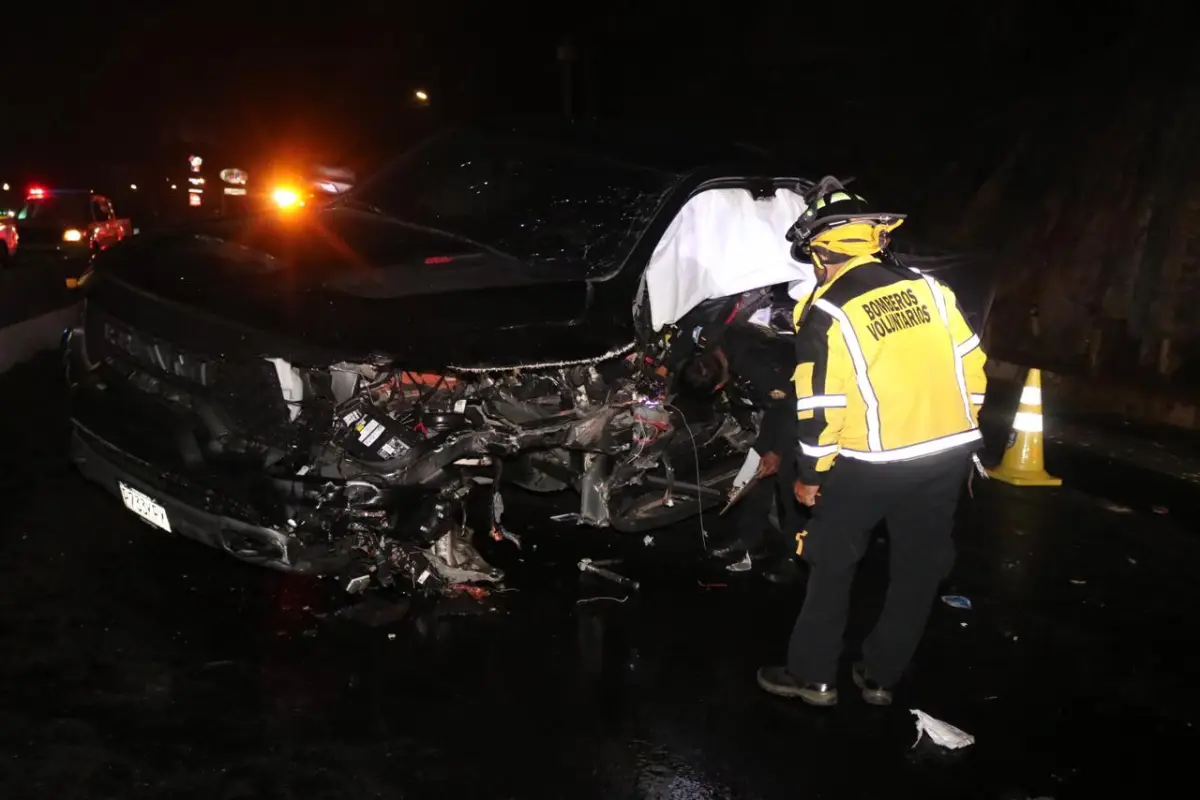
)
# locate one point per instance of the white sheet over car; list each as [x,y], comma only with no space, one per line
[724,242]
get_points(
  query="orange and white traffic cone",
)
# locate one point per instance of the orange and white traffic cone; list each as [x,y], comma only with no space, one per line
[1022,464]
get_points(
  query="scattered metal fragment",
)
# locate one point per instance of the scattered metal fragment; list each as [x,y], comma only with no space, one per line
[358,585]
[587,565]
[475,592]
[957,601]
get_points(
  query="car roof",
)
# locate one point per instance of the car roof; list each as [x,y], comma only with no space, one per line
[672,149]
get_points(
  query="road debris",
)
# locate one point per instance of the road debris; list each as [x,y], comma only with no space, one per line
[1160,509]
[741,566]
[475,592]
[940,733]
[1078,582]
[583,600]
[957,601]
[587,565]
[1116,509]
[358,585]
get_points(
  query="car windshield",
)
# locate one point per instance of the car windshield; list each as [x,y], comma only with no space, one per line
[533,201]
[66,209]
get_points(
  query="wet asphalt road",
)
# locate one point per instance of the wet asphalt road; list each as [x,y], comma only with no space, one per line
[136,665]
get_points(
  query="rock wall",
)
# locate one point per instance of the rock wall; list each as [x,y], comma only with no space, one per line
[1094,213]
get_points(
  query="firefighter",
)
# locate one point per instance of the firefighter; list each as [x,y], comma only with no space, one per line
[757,364]
[888,384]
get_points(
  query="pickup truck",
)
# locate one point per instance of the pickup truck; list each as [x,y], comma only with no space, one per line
[66,224]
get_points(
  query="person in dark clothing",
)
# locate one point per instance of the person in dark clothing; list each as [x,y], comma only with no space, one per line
[889,381]
[755,366]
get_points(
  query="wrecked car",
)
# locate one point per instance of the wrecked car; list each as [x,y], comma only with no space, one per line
[348,390]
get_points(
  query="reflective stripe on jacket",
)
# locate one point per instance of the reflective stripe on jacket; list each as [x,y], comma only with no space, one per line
[888,369]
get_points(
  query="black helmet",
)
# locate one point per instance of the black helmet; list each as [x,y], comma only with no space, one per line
[828,205]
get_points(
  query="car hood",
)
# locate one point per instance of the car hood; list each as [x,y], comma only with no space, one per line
[340,281]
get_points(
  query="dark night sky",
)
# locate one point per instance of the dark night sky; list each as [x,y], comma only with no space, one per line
[338,77]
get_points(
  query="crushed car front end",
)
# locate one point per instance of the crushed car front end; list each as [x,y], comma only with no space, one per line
[344,391]
[306,462]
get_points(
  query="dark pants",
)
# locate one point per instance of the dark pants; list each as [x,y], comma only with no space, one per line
[917,499]
[776,493]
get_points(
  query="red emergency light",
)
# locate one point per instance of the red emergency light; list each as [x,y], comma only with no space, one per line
[36,193]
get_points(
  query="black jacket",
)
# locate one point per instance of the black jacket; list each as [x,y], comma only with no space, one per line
[761,364]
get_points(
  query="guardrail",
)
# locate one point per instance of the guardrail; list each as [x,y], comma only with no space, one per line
[36,304]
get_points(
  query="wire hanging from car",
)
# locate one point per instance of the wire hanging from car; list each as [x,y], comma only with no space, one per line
[616,351]
[696,454]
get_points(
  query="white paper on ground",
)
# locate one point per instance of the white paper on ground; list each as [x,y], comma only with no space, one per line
[942,733]
[749,467]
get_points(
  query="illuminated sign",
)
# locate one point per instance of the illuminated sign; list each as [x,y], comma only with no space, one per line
[195,200]
[235,176]
[196,181]
[236,191]
[195,162]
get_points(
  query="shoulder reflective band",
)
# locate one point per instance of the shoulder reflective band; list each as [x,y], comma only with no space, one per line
[874,440]
[959,373]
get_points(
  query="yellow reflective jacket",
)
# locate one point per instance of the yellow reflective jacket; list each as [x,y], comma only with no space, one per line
[888,369]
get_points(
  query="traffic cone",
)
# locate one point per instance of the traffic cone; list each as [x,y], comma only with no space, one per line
[1022,464]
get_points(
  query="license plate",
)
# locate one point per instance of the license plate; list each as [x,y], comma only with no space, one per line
[145,507]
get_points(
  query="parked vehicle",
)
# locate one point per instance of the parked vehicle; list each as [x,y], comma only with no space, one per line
[8,241]
[68,224]
[325,391]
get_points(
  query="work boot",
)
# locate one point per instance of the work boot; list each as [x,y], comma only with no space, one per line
[778,681]
[872,692]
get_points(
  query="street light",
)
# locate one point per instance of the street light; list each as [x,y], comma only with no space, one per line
[133,187]
[6,187]
[421,95]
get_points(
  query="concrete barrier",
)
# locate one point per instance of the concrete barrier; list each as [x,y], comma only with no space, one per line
[35,307]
